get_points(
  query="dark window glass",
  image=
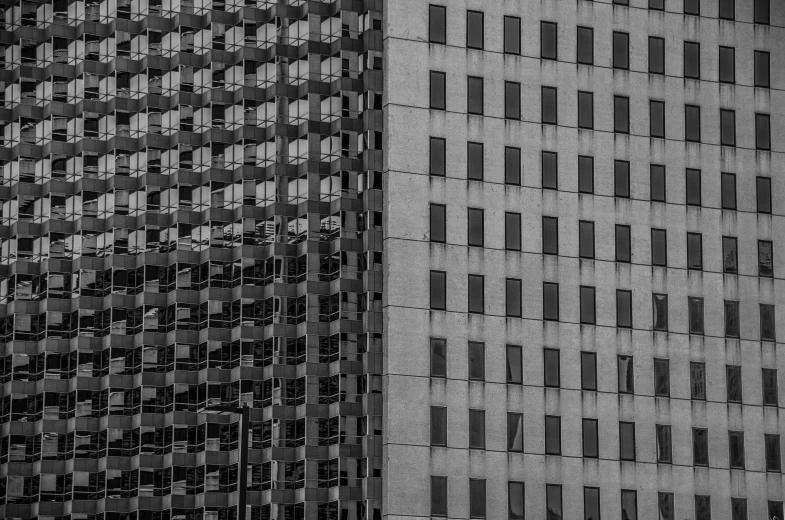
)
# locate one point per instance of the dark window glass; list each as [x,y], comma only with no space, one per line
[733,383]
[549,105]
[736,450]
[552,435]
[438,426]
[765,258]
[773,457]
[550,171]
[729,255]
[731,319]
[438,357]
[702,507]
[769,387]
[728,190]
[476,220]
[512,35]
[763,188]
[438,496]
[514,364]
[586,239]
[695,309]
[437,28]
[700,447]
[656,55]
[775,509]
[477,429]
[657,5]
[762,74]
[512,100]
[438,290]
[664,443]
[692,123]
[762,132]
[621,114]
[621,2]
[692,60]
[627,441]
[623,308]
[548,47]
[738,508]
[512,165]
[550,235]
[623,243]
[513,297]
[514,431]
[438,87]
[550,301]
[474,95]
[591,503]
[476,162]
[665,505]
[516,501]
[476,498]
[474,29]
[585,45]
[553,501]
[585,110]
[694,251]
[588,371]
[657,118]
[476,293]
[693,183]
[438,156]
[660,304]
[590,438]
[698,381]
[476,360]
[512,231]
[727,65]
[762,17]
[621,178]
[727,9]
[727,127]
[662,378]
[621,50]
[692,7]
[438,222]
[657,182]
[585,174]
[552,369]
[629,504]
[626,379]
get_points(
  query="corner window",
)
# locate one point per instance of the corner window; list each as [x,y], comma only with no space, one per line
[548,37]
[438,89]
[437,24]
[475,29]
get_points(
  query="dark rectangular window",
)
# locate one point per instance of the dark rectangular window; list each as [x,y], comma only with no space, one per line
[762,72]
[664,444]
[590,439]
[665,506]
[660,304]
[548,37]
[476,498]
[550,235]
[727,65]
[621,178]
[552,435]
[695,310]
[692,123]
[512,35]
[626,375]
[775,509]
[656,55]
[516,501]
[623,308]
[727,9]
[512,100]
[773,457]
[657,5]
[591,503]
[549,105]
[762,13]
[702,507]
[476,161]
[693,184]
[438,496]
[512,231]
[662,378]
[512,165]
[476,294]
[728,127]
[475,28]
[623,243]
[476,361]
[438,426]
[762,132]
[438,87]
[730,261]
[629,504]
[514,432]
[514,297]
[763,189]
[552,369]
[728,181]
[736,450]
[474,97]
[477,429]
[765,258]
[731,319]
[657,182]
[438,290]
[621,114]
[738,509]
[694,251]
[769,387]
[476,221]
[438,156]
[692,7]
[585,174]
[586,239]
[437,26]
[585,52]
[588,371]
[698,381]
[553,502]
[692,60]
[627,441]
[733,383]
[700,447]
[514,364]
[550,301]
[438,222]
[438,357]
[621,50]
[550,170]
[585,110]
[657,118]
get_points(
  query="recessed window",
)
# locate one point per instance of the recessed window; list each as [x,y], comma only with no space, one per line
[727,9]
[728,127]
[625,371]
[438,357]
[586,239]
[769,387]
[660,311]
[694,251]
[512,165]
[629,504]
[692,60]
[514,432]
[516,501]
[730,256]
[621,50]
[728,188]
[474,96]
[773,457]
[549,109]
[585,174]
[775,509]
[767,322]
[621,179]
[512,100]
[664,442]
[437,156]
[437,26]
[695,311]
[591,495]
[590,439]
[476,218]
[762,12]
[763,195]
[477,429]
[762,74]
[692,123]
[727,65]
[765,258]
[700,447]
[474,29]
[552,369]
[438,290]
[627,441]
[736,450]
[475,153]
[512,35]
[657,182]
[623,240]
[733,383]
[438,88]
[656,55]
[659,247]
[476,361]
[514,364]
[702,507]
[553,502]
[585,110]
[438,222]
[665,505]
[548,38]
[512,231]
[439,496]
[552,435]
[693,185]
[550,171]
[731,319]
[438,426]
[657,118]
[692,7]
[623,308]
[477,498]
[621,114]
[513,297]
[476,294]
[550,235]
[662,378]
[657,5]
[762,131]
[585,46]
[550,301]
[698,381]
[588,371]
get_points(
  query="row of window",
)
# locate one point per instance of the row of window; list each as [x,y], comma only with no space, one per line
[625,372]
[516,503]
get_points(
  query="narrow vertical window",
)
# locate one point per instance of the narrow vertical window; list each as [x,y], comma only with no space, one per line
[692,123]
[474,97]
[698,381]
[623,240]
[438,222]
[512,100]
[437,26]
[585,51]
[695,311]
[657,182]
[762,14]
[438,88]
[476,361]
[700,447]
[727,9]
[621,50]
[585,110]
[621,179]
[657,119]
[738,509]
[438,426]
[765,258]
[514,432]
[731,319]
[512,35]
[623,308]
[438,357]
[512,165]
[692,7]
[476,294]
[475,28]
[585,174]
[476,221]
[552,435]
[549,106]
[660,303]
[438,156]
[621,114]
[727,65]
[662,378]
[438,290]
[512,231]
[656,55]
[773,457]
[626,378]
[551,367]
[762,73]
[590,439]
[591,503]
[550,171]
[516,502]
[665,506]
[629,504]
[728,187]
[664,444]
[775,509]
[762,131]
[476,161]
[769,387]
[730,255]
[588,371]
[513,298]
[586,239]
[733,383]
[588,305]
[693,185]
[702,507]
[477,429]
[728,127]
[476,498]
[514,364]
[550,235]
[439,496]
[553,501]
[550,301]
[692,60]
[548,44]
[627,441]
[694,251]
[736,450]
[763,189]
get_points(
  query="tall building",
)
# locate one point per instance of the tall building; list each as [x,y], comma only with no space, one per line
[468,259]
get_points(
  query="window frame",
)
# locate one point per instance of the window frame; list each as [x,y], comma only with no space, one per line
[586,31]
[727,117]
[477,432]
[655,170]
[732,79]
[696,304]
[586,230]
[733,10]
[658,365]
[619,322]
[511,379]
[441,234]
[585,356]
[725,178]
[543,43]
[441,481]
[443,291]
[691,265]
[664,451]
[551,357]
[662,298]
[472,148]
[478,509]
[553,421]
[767,182]
[761,55]
[593,436]
[630,425]
[469,14]
[442,10]
[439,79]
[514,426]
[692,135]
[512,112]
[476,278]
[473,82]
[512,19]
[472,215]
[763,131]
[434,341]
[694,47]
[621,126]
[554,156]
[583,160]
[545,105]
[511,313]
[438,431]
[629,386]
[624,42]
[556,285]
[585,97]
[656,119]
[656,66]
[476,360]
[512,241]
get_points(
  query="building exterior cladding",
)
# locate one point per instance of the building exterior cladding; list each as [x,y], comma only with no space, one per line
[190,219]
[555,353]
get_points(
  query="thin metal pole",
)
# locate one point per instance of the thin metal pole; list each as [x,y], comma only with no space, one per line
[245,424]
